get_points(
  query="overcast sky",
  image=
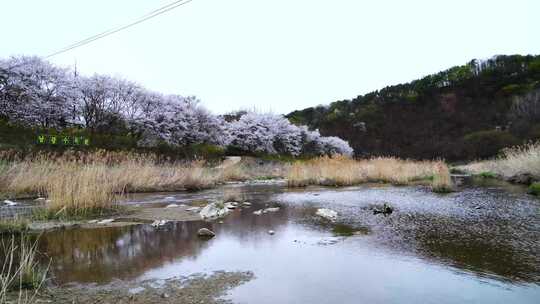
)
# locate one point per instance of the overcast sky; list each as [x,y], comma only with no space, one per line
[277,55]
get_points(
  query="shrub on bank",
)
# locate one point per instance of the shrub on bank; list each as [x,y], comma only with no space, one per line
[534,189]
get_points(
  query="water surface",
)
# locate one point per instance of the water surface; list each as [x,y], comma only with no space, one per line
[479,245]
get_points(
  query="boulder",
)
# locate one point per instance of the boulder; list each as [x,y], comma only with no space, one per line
[214,210]
[10,203]
[274,209]
[258,212]
[159,223]
[205,232]
[386,209]
[327,213]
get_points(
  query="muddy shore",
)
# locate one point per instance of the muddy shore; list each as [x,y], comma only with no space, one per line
[197,288]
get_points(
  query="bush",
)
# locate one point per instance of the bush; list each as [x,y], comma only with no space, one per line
[484,144]
[487,174]
[534,189]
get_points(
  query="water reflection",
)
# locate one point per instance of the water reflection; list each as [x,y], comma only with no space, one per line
[474,236]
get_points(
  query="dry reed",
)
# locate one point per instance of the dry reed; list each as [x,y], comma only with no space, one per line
[76,184]
[20,270]
[442,181]
[513,161]
[343,171]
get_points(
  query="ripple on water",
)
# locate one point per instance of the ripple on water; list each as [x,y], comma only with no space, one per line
[477,245]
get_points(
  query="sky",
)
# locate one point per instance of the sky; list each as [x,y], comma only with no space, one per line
[272,55]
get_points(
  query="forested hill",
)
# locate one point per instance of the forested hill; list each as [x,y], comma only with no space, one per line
[469,111]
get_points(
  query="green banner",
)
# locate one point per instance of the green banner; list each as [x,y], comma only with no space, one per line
[62,140]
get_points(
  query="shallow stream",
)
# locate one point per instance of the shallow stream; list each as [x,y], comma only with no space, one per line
[478,245]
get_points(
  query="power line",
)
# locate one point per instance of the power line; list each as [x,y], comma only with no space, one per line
[109,32]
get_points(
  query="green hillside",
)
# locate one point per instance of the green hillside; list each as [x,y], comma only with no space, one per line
[465,112]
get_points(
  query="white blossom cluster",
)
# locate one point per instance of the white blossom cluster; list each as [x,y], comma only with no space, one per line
[35,93]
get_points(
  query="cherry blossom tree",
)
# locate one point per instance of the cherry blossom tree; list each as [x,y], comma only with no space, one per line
[35,93]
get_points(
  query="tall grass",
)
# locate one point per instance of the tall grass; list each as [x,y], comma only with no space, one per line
[250,168]
[78,184]
[513,161]
[20,270]
[442,182]
[343,171]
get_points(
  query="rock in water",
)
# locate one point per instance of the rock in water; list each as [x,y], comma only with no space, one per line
[205,232]
[172,206]
[10,203]
[386,210]
[214,210]
[327,213]
[271,232]
[274,209]
[258,212]
[159,223]
[105,222]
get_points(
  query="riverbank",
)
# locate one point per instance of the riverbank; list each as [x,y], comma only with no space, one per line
[520,165]
[193,289]
[90,185]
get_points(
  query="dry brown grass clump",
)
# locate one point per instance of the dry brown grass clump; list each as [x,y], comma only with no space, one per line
[20,269]
[513,161]
[78,184]
[343,171]
[250,169]
[442,182]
